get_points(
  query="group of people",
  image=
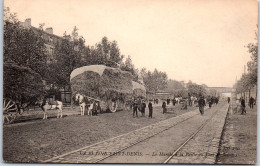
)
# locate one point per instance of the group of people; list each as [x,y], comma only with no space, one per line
[141,106]
[210,100]
[243,104]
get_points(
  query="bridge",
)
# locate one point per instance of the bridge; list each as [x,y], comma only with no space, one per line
[222,89]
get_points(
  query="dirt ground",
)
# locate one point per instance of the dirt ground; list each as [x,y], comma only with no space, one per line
[239,140]
[32,139]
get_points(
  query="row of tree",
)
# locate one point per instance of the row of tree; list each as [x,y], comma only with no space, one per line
[249,79]
[26,48]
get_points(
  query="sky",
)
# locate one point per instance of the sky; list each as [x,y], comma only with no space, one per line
[199,40]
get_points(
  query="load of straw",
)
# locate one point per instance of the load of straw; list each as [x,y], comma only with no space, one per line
[101,82]
[138,90]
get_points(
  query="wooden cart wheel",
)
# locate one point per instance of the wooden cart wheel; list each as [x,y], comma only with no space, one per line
[10,111]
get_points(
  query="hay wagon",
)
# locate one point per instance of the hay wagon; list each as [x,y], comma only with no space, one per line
[21,87]
[112,87]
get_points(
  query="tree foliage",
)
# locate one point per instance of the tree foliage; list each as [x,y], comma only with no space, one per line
[23,47]
[196,90]
[24,60]
[155,80]
[249,80]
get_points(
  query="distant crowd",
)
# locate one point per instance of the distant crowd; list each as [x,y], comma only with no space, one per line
[140,104]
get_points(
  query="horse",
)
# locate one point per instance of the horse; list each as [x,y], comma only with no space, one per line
[90,108]
[45,106]
[82,103]
[178,100]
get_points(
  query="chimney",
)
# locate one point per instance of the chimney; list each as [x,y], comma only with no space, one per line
[49,30]
[27,23]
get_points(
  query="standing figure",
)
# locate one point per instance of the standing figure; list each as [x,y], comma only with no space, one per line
[143,108]
[190,102]
[243,106]
[251,102]
[228,99]
[95,108]
[168,101]
[185,105]
[135,105]
[150,106]
[174,101]
[216,100]
[210,102]
[202,104]
[164,107]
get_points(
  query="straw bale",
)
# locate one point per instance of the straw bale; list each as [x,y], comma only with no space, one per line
[95,84]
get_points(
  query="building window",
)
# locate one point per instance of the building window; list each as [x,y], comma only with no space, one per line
[50,39]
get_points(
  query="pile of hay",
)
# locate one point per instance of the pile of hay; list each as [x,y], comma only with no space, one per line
[138,90]
[101,82]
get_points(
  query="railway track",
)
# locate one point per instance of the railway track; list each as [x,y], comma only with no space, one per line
[191,136]
[102,158]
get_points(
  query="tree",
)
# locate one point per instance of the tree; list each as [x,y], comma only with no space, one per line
[155,80]
[196,90]
[249,80]
[68,56]
[129,66]
[174,86]
[23,47]
[104,53]
[253,64]
[115,56]
[24,61]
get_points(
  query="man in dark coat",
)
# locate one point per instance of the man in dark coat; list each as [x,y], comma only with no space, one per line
[211,101]
[168,101]
[95,108]
[164,107]
[202,104]
[216,100]
[150,106]
[251,102]
[243,106]
[174,101]
[228,99]
[143,108]
[135,105]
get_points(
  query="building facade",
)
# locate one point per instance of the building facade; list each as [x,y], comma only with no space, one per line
[50,41]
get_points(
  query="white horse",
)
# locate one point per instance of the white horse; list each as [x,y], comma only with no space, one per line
[82,103]
[178,99]
[55,105]
[90,109]
[194,99]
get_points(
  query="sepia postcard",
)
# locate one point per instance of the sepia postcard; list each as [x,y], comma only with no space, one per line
[130,81]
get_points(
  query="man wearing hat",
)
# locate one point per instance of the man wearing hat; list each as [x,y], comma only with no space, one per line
[150,106]
[201,103]
[135,105]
